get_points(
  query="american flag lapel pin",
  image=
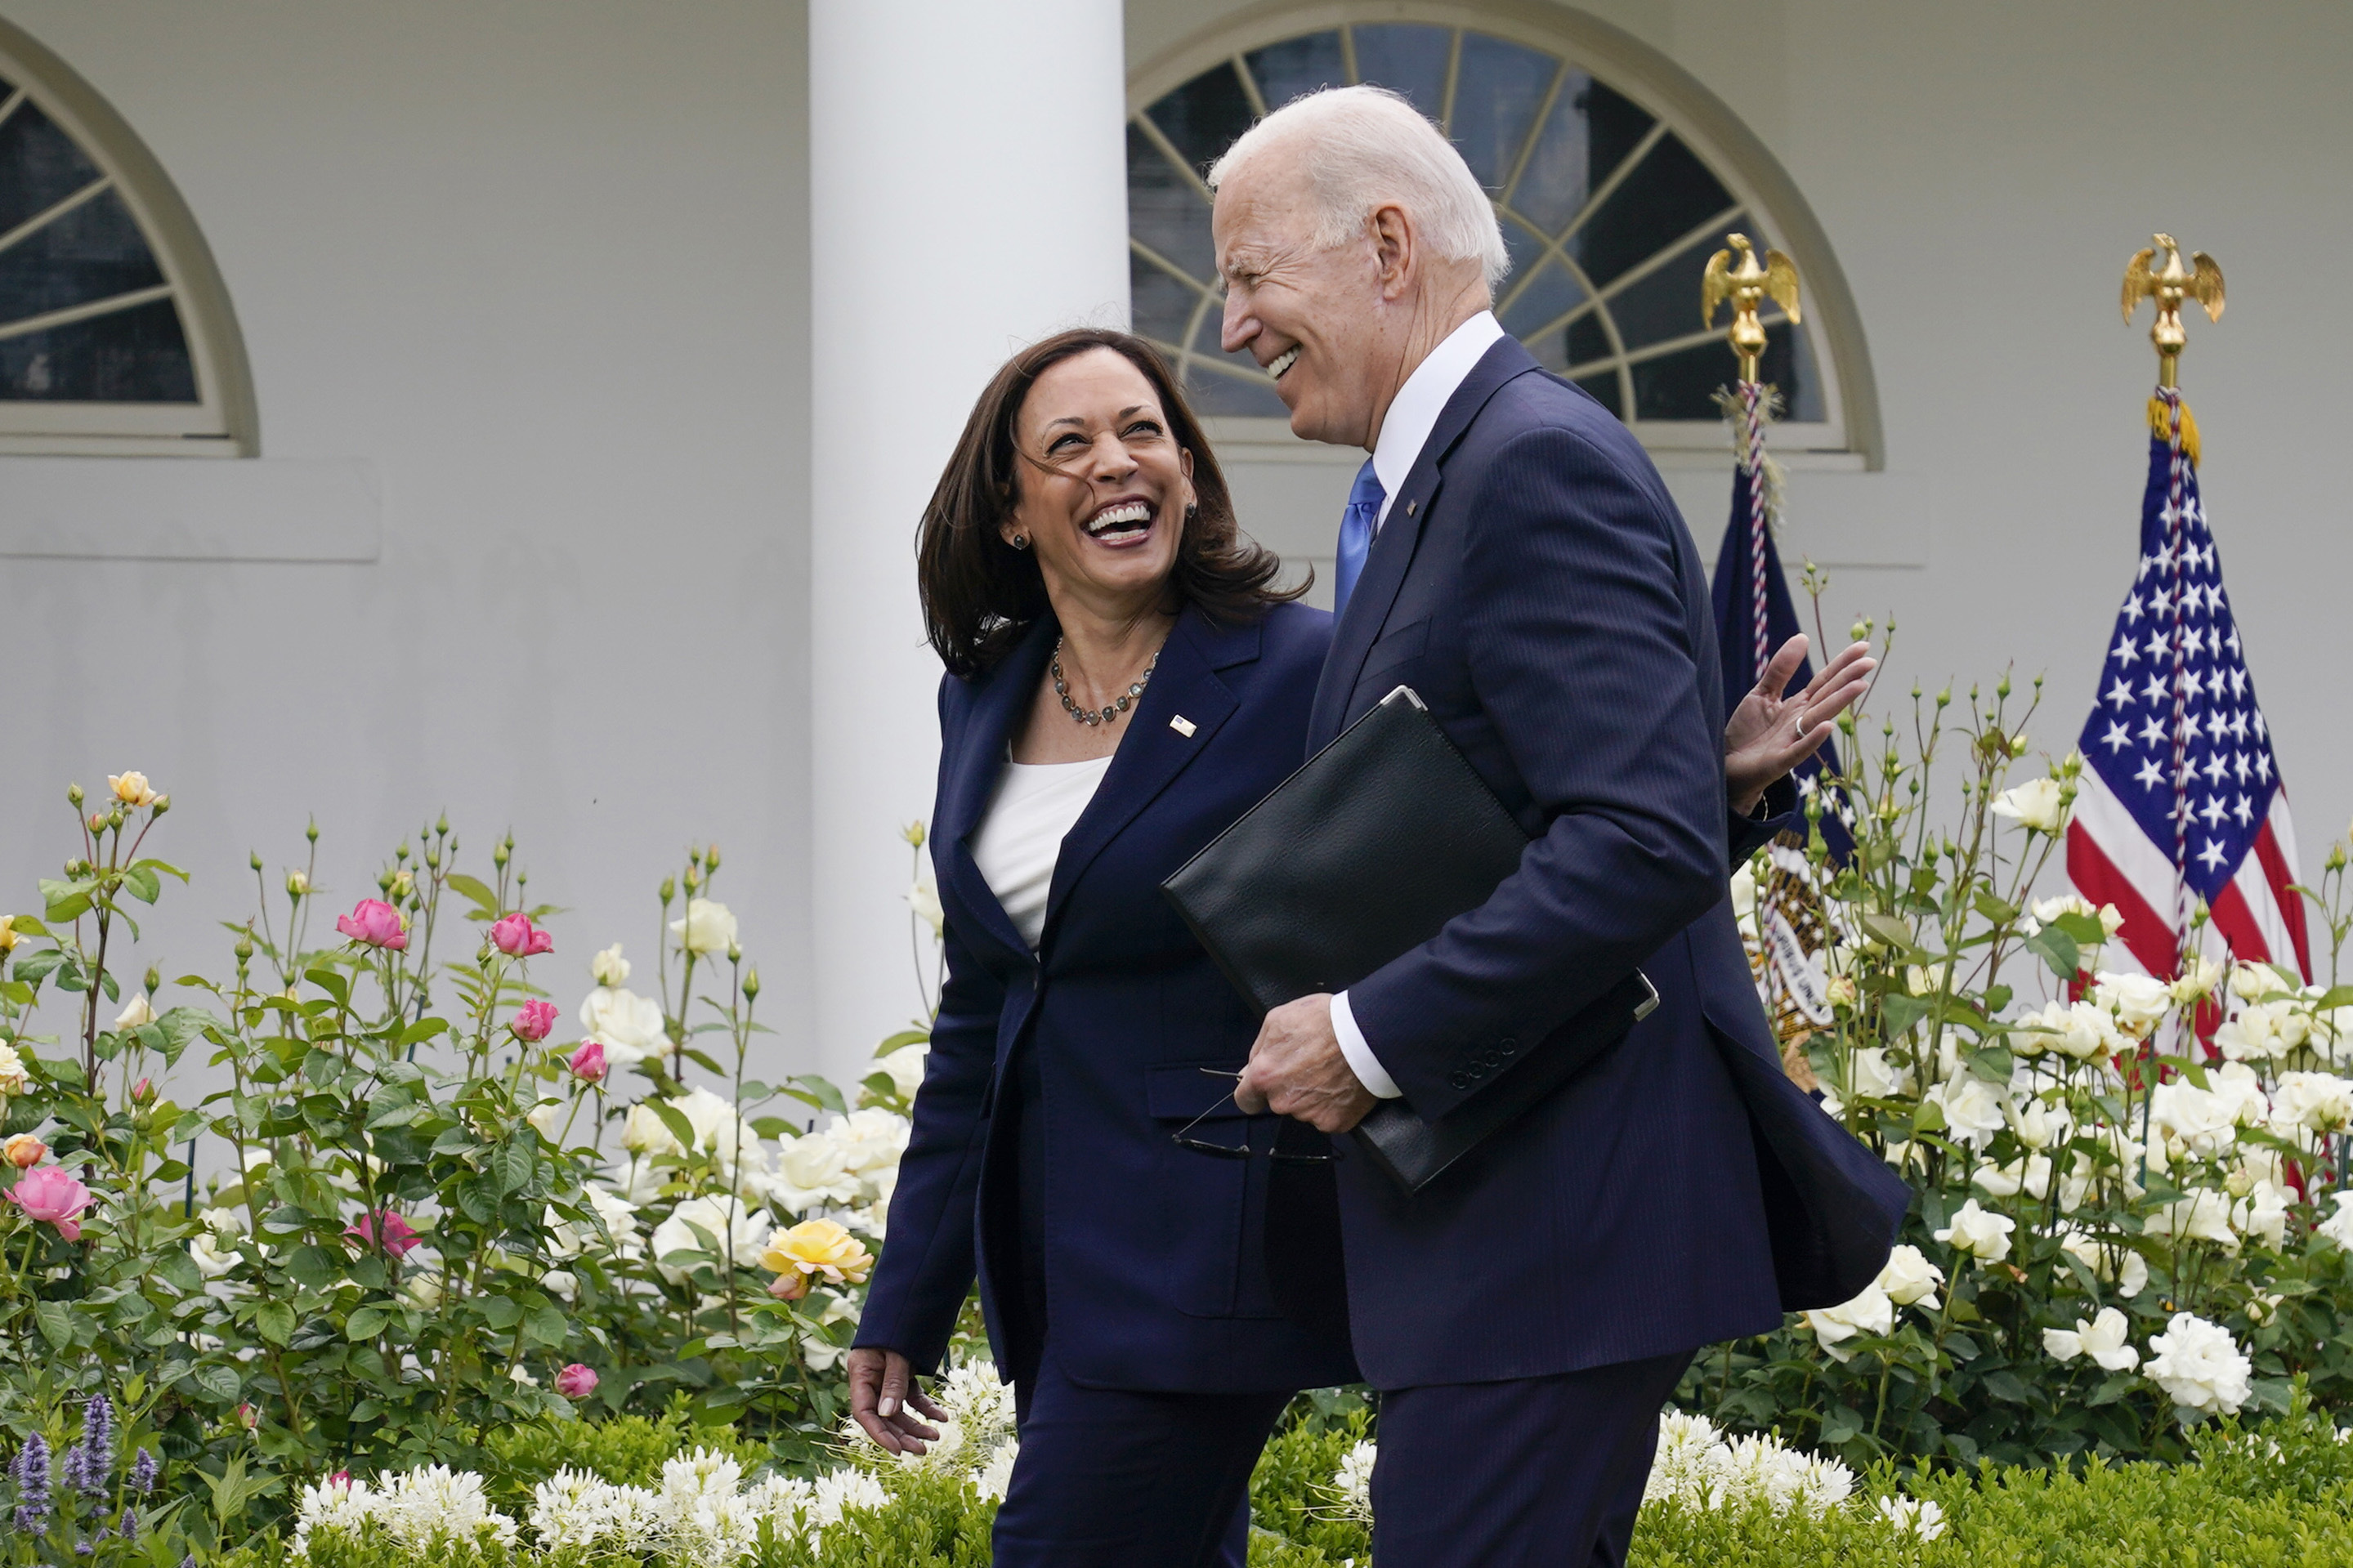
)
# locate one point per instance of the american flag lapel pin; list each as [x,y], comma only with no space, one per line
[1183,726]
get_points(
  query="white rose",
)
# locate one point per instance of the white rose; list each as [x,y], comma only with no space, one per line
[730,1225]
[2316,1102]
[2262,1214]
[2198,979]
[2253,982]
[2082,1030]
[873,1140]
[1909,1279]
[2199,1366]
[1869,1313]
[2200,1119]
[620,1216]
[644,1132]
[2034,804]
[905,1066]
[924,899]
[11,1071]
[543,1117]
[2253,1035]
[1744,894]
[2029,1174]
[135,1013]
[2338,1226]
[211,1258]
[1875,1078]
[1974,1109]
[707,929]
[222,1221]
[561,1284]
[1978,1233]
[2201,1215]
[608,968]
[2104,1339]
[2239,1093]
[2138,1001]
[629,1027]
[422,1290]
[813,1171]
[2111,1263]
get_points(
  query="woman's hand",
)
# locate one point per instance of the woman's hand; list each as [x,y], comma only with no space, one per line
[1769,733]
[882,1393]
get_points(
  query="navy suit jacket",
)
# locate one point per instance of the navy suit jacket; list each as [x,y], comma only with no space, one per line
[1156,1254]
[1535,583]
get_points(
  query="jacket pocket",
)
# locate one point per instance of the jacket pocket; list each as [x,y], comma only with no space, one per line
[1206,1185]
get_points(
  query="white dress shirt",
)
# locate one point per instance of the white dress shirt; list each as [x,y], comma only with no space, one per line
[1405,430]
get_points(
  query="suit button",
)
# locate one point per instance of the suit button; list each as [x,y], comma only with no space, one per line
[1507,1045]
[1459,1082]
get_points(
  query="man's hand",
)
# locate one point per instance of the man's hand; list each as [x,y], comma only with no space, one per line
[1770,732]
[1296,1070]
[882,1393]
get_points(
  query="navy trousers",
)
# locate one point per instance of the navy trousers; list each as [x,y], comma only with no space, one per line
[1112,1478]
[1534,1470]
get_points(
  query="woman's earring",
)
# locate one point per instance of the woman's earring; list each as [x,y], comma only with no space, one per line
[1192,511]
[1019,542]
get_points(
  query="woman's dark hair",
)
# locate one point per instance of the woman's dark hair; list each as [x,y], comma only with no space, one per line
[980,594]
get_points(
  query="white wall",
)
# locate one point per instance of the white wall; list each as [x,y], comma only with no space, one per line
[1984,172]
[543,268]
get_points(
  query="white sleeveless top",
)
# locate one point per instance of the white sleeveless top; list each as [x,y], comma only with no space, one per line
[1034,808]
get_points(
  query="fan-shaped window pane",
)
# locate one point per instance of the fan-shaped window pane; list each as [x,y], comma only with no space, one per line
[1610,215]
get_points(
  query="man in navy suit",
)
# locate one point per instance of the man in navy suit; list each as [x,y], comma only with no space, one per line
[1510,553]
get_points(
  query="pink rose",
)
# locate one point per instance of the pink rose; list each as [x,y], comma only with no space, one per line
[374,923]
[532,1022]
[588,1063]
[789,1286]
[46,1192]
[341,1479]
[400,1238]
[247,1416]
[515,936]
[576,1382]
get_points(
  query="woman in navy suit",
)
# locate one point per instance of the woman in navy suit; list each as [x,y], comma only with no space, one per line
[1124,682]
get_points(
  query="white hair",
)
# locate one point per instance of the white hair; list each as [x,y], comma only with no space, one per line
[1366,146]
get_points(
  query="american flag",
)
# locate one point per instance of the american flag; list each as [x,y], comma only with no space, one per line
[2181,795]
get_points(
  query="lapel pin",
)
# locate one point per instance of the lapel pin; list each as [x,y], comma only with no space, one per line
[1410,506]
[1183,726]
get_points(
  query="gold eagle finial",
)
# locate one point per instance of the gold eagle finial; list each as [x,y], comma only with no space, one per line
[2169,284]
[1746,286]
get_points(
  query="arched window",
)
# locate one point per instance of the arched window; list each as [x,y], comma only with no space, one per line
[116,334]
[1616,176]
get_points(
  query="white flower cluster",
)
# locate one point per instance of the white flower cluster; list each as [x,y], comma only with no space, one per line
[975,1444]
[701,1516]
[2199,1366]
[1696,1466]
[416,1508]
[1909,1279]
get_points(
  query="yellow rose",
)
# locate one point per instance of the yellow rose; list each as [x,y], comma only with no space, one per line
[818,1246]
[130,789]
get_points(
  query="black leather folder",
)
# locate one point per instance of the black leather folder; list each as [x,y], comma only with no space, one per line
[1383,837]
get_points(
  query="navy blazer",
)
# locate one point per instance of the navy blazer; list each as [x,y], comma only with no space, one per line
[1156,1256]
[1535,583]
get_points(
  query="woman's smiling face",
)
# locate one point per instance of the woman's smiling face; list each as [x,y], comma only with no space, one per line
[1103,487]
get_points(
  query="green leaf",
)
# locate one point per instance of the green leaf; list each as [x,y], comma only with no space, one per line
[545,1324]
[1991,1063]
[313,1267]
[481,896]
[1997,910]
[364,1324]
[274,1321]
[675,1119]
[2087,930]
[217,1382]
[1901,1012]
[26,925]
[178,1028]
[512,1166]
[2058,950]
[820,1092]
[332,984]
[501,1312]
[904,1037]
[1889,930]
[143,884]
[56,1322]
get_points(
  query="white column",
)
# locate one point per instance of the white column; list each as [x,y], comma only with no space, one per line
[968,194]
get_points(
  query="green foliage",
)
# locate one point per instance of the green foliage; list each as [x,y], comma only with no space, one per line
[628,1451]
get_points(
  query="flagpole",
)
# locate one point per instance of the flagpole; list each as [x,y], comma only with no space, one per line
[2168,284]
[1746,286]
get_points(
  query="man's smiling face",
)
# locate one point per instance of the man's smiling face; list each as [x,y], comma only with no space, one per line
[1312,315]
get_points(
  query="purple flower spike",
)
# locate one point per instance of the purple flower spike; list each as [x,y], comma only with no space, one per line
[32,1476]
[143,1470]
[97,1446]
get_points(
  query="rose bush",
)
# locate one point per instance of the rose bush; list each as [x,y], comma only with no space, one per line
[417,1212]
[2130,1212]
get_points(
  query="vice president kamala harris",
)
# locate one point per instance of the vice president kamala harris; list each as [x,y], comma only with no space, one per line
[1123,680]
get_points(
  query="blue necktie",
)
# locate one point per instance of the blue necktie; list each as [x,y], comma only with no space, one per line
[1357,534]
